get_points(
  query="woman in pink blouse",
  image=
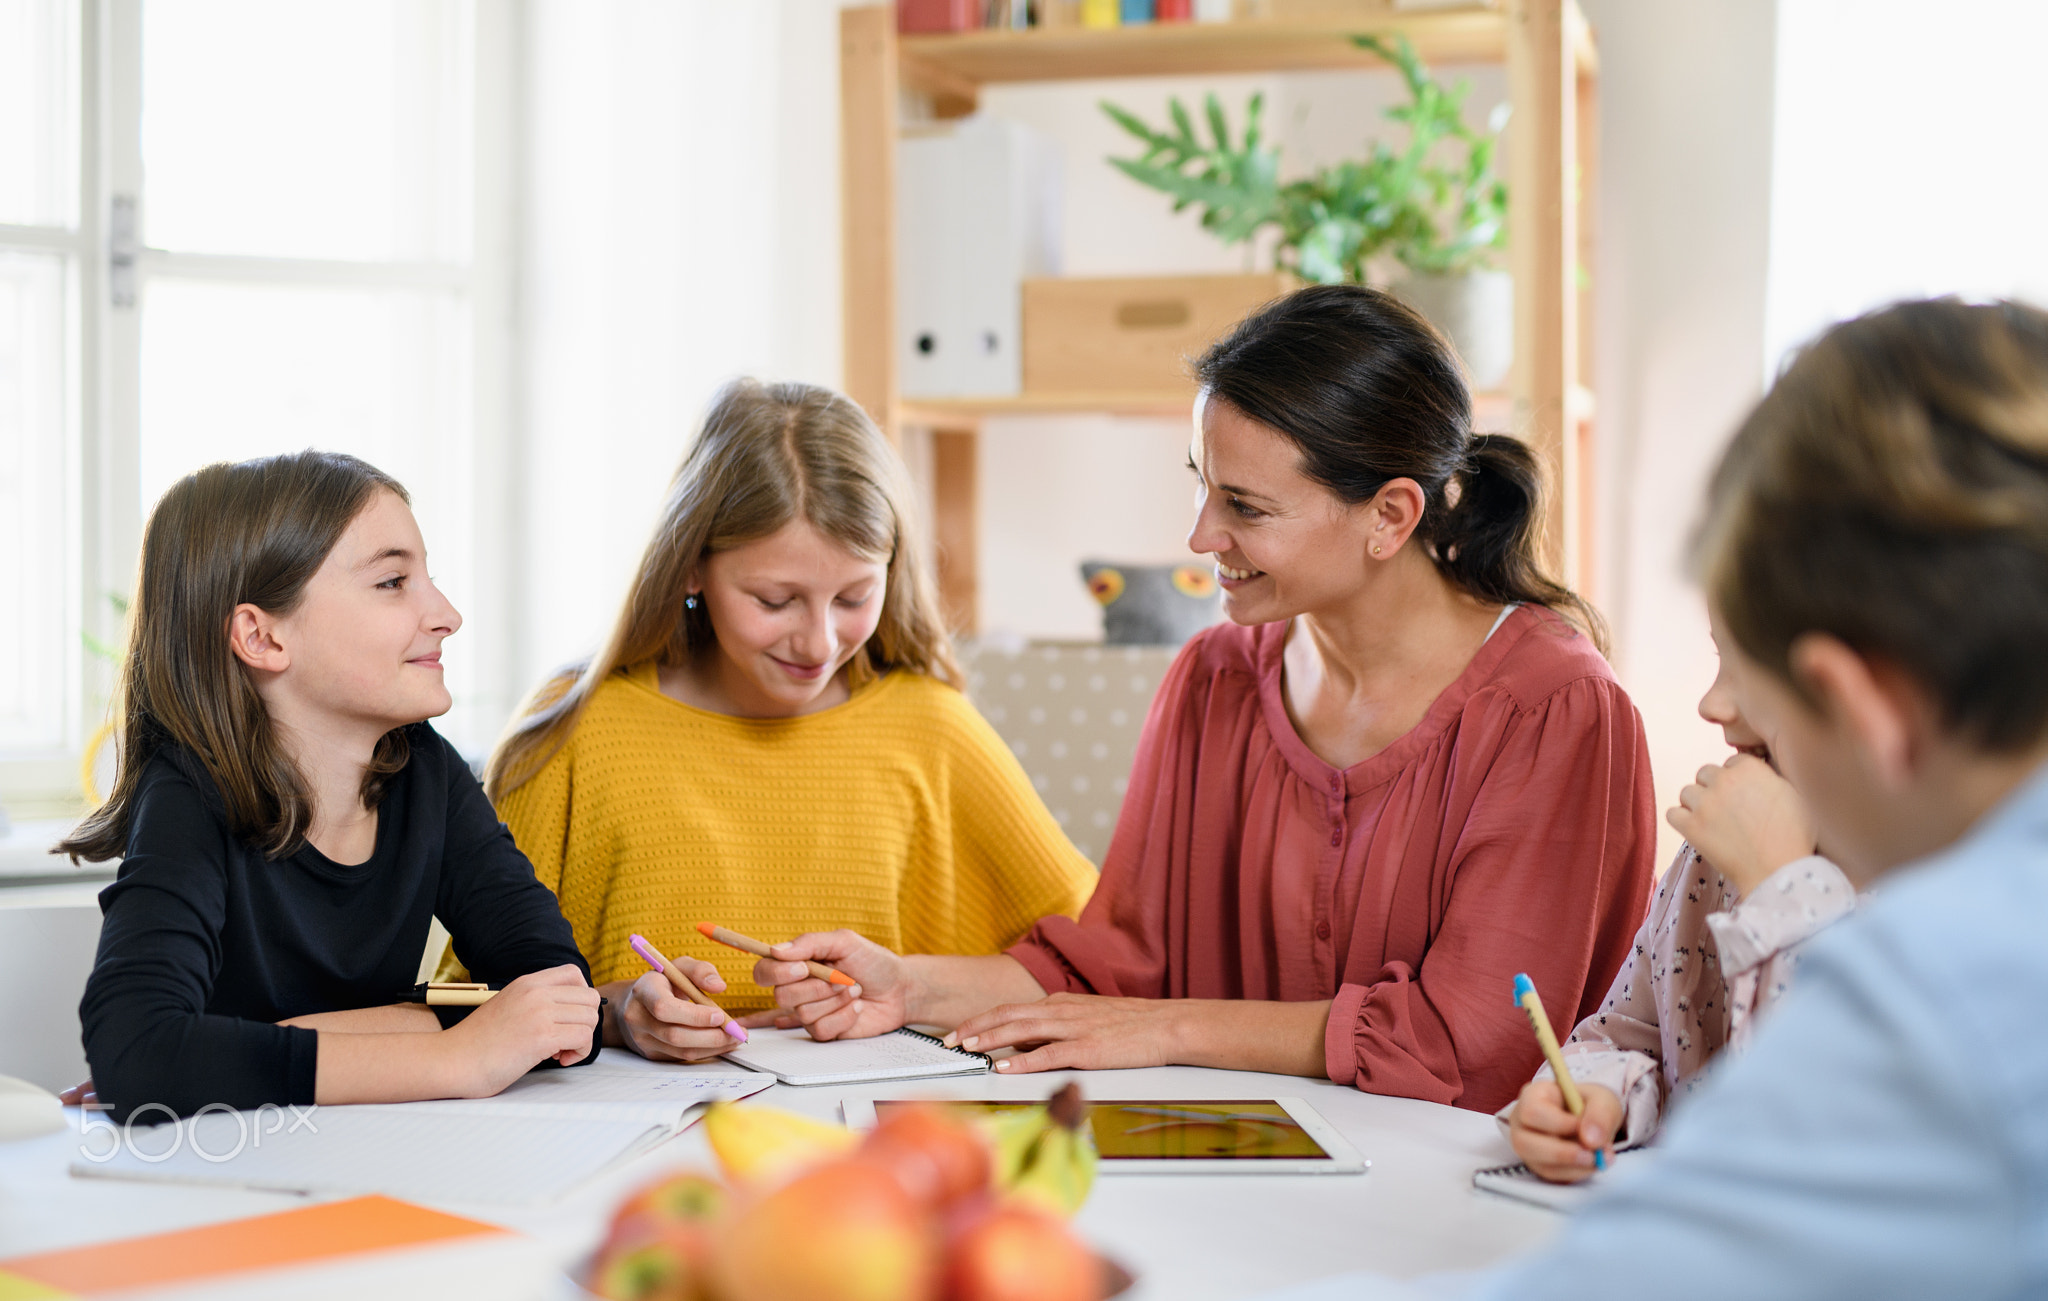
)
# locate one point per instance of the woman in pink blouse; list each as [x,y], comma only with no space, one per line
[1400,774]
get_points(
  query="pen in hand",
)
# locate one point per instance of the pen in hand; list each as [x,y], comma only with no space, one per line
[682,984]
[745,944]
[1546,1039]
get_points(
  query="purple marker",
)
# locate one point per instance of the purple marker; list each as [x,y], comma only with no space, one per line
[682,983]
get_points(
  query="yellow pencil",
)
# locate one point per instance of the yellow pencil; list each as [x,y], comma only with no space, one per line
[1546,1039]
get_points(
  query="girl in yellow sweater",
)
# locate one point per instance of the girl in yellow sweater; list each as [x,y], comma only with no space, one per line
[773,739]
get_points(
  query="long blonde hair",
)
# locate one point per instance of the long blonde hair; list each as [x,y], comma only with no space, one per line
[768,454]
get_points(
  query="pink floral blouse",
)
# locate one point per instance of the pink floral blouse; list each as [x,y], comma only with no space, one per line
[1706,962]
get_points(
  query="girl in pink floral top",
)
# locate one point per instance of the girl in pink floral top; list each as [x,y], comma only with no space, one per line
[1722,938]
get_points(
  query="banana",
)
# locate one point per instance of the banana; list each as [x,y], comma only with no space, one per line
[1045,1156]
[1014,1135]
[765,1145]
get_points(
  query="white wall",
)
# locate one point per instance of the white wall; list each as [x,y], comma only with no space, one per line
[1684,198]
[681,228]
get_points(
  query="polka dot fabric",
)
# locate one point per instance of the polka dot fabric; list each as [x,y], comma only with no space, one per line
[1071,714]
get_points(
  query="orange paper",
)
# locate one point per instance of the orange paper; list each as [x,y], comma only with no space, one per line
[315,1233]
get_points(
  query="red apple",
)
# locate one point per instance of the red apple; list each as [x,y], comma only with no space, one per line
[936,1156]
[679,1199]
[1020,1254]
[659,1246]
[658,1270]
[841,1232]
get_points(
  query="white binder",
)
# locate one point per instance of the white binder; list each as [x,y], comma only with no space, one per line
[977,211]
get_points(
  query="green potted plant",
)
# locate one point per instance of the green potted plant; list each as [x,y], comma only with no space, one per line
[1435,207]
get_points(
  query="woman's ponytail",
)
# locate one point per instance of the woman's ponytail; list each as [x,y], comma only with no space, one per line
[1369,392]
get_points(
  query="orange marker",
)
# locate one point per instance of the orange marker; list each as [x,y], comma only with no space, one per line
[733,939]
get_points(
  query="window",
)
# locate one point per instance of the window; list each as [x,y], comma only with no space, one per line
[42,253]
[1905,159]
[262,233]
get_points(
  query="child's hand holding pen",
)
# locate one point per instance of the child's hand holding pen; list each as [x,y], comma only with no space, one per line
[660,1021]
[1551,1141]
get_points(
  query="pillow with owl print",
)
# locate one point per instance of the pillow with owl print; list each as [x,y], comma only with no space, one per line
[1151,605]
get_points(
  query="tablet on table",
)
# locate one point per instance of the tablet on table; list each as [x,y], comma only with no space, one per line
[1178,1136]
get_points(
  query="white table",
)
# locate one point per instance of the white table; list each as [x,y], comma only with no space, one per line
[1187,1238]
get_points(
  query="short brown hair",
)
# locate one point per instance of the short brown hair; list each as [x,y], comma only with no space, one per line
[1892,491]
[252,533]
[768,454]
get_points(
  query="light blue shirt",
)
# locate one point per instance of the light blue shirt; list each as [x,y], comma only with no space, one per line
[1886,1135]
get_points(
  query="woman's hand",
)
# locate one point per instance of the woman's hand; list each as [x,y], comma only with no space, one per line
[1552,1142]
[1085,1032]
[879,1000]
[663,1026]
[1744,819]
[540,1015]
[80,1094]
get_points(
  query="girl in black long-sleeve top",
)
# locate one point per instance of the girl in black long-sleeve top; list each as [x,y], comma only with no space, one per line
[290,825]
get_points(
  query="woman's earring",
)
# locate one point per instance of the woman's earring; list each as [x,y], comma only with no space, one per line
[1375,548]
[690,602]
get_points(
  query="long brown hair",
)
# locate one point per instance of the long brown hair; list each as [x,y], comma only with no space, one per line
[253,533]
[768,454]
[1891,490]
[1368,391]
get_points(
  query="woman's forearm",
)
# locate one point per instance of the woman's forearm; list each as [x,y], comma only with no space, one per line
[396,1018]
[402,1067]
[948,990]
[1240,1035]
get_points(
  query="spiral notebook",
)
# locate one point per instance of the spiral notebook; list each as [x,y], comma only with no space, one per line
[793,1057]
[1518,1182]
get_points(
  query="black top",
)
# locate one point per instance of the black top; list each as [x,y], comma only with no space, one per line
[205,943]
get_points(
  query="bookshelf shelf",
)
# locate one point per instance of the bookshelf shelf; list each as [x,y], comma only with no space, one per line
[1490,411]
[945,65]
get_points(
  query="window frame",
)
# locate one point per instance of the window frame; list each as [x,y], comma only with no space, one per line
[103,429]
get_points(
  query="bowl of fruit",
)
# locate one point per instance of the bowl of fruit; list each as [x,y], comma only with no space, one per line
[929,1206]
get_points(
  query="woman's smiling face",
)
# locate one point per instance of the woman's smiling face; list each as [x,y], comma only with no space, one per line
[789,610]
[1283,543]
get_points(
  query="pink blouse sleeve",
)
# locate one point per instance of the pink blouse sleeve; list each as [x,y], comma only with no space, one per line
[1549,873]
[1118,944]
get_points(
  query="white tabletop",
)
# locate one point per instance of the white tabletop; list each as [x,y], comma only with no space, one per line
[1187,1238]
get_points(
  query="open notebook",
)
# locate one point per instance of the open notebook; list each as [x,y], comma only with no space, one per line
[793,1057]
[548,1132]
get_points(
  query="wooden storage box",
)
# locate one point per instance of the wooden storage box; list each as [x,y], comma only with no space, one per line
[1137,335]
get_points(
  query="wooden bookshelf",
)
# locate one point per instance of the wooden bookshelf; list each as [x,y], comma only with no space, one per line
[951,67]
[1553,69]
[1491,412]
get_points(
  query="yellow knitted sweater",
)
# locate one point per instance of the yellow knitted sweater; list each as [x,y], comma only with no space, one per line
[899,814]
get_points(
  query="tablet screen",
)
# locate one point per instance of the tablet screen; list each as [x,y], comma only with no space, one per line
[1182,1131]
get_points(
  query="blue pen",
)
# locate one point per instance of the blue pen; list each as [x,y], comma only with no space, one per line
[1546,1038]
